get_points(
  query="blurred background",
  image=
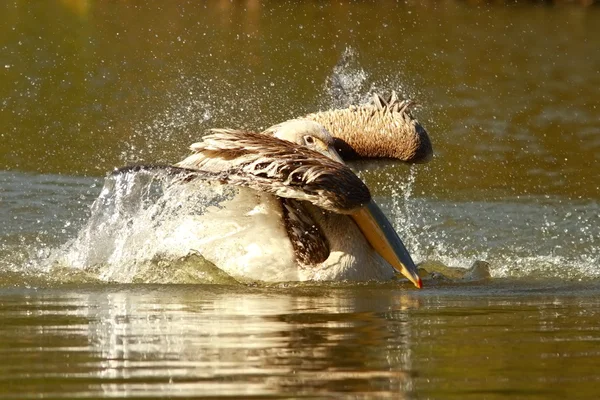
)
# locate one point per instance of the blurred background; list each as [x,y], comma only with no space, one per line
[508,90]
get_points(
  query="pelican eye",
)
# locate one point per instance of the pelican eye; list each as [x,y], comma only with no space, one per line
[309,140]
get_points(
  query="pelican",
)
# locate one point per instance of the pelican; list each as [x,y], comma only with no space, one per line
[320,222]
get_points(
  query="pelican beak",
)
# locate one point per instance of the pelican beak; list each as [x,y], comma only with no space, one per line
[334,155]
[381,235]
[331,152]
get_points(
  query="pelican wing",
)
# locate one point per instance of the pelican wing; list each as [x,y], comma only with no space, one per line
[309,242]
[276,166]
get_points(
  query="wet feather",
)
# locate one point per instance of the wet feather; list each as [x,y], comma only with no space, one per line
[383,128]
[277,166]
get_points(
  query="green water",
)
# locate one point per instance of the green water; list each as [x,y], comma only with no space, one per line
[488,341]
[509,96]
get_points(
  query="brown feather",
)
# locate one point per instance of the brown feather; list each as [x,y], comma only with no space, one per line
[310,244]
[277,166]
[384,128]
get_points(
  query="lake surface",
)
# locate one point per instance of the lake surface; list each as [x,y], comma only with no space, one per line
[498,340]
[509,95]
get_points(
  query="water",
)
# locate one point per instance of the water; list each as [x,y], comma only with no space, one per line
[345,342]
[509,96]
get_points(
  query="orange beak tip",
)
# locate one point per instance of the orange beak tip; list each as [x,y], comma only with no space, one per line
[419,284]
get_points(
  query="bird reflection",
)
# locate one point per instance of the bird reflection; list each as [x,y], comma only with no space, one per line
[254,341]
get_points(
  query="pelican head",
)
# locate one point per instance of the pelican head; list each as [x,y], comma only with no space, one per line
[306,133]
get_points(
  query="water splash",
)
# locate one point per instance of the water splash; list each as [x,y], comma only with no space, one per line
[134,231]
[518,239]
[346,84]
[187,111]
[350,84]
[184,122]
[190,107]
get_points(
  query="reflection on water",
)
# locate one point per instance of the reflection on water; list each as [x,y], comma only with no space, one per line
[189,340]
[341,342]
